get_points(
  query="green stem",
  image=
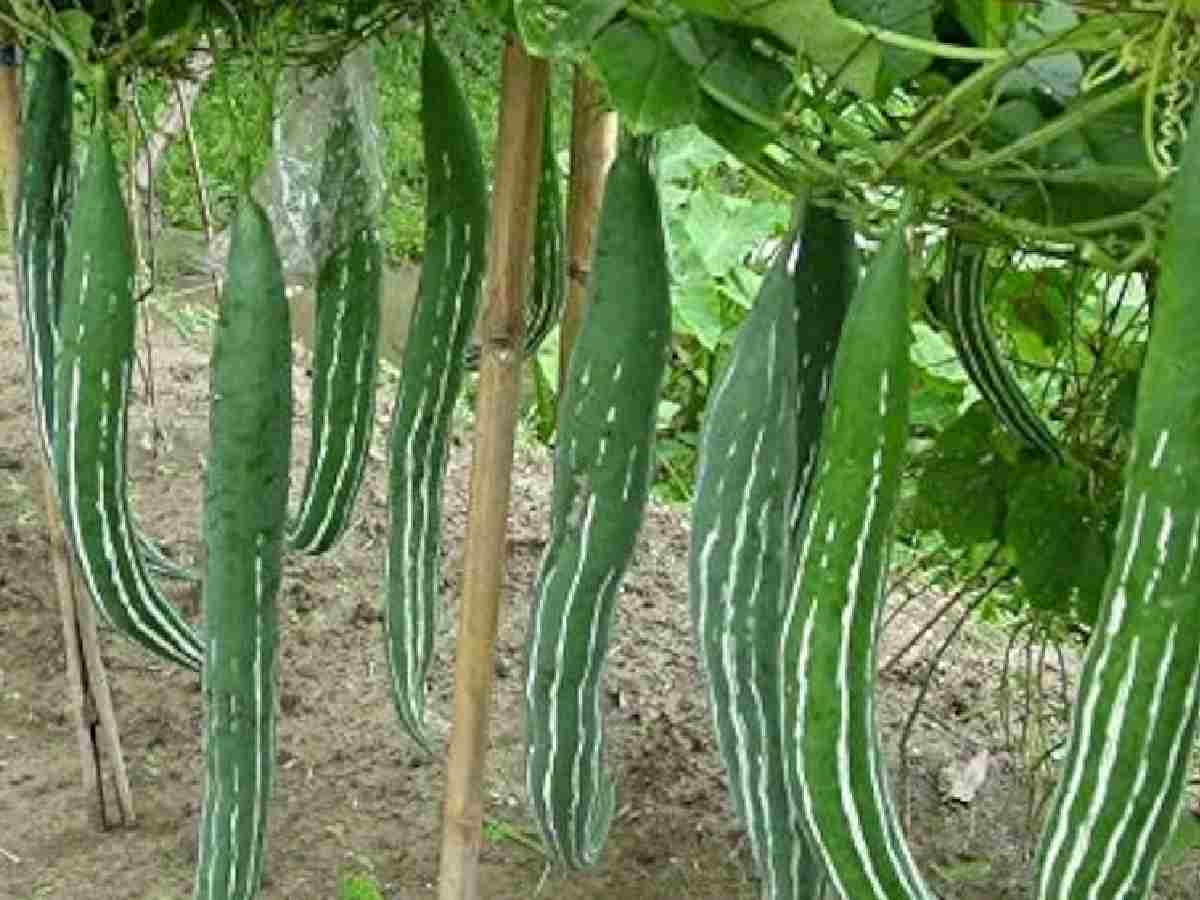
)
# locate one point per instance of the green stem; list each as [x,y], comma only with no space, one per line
[1057,127]
[920,45]
[975,85]
[1093,176]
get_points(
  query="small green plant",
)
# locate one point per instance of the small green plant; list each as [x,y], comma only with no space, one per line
[497,830]
[358,886]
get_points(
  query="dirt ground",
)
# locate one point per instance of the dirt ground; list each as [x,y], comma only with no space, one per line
[353,794]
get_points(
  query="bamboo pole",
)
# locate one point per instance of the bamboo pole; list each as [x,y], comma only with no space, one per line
[593,147]
[518,153]
[10,129]
[87,684]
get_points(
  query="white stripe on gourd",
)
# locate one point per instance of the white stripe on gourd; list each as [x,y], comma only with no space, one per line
[601,483]
[739,565]
[346,346]
[92,385]
[1120,793]
[244,516]
[966,267]
[835,773]
[430,379]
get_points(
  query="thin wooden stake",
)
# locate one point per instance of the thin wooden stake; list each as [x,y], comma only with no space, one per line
[593,147]
[10,132]
[518,154]
[87,683]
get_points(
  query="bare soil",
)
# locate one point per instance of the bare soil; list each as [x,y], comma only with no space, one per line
[353,794]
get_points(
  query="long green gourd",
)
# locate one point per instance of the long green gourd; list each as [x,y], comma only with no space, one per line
[1134,722]
[92,379]
[601,481]
[548,287]
[966,267]
[826,275]
[739,566]
[346,347]
[431,376]
[245,504]
[831,619]
[40,230]
[44,197]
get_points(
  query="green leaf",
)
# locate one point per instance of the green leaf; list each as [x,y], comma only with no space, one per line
[910,17]
[1115,137]
[743,139]
[502,11]
[76,27]
[1057,539]
[813,28]
[732,72]
[563,28]
[686,152]
[1057,75]
[165,17]
[697,306]
[935,401]
[853,61]
[667,409]
[1033,306]
[1122,403]
[722,230]
[1184,839]
[652,87]
[962,488]
[933,352]
[988,22]
[937,378]
[1011,120]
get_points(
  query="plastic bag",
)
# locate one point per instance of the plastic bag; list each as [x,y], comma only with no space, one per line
[324,179]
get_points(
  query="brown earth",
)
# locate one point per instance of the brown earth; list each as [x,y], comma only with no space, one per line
[353,794]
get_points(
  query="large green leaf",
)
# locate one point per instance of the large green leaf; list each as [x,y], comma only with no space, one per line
[933,353]
[1034,309]
[652,86]
[722,229]
[812,27]
[165,17]
[1057,539]
[563,28]
[731,71]
[685,152]
[697,307]
[961,491]
[988,22]
[911,17]
[1056,75]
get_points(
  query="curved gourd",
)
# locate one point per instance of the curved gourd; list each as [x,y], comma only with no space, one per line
[1134,721]
[602,469]
[92,381]
[831,618]
[431,375]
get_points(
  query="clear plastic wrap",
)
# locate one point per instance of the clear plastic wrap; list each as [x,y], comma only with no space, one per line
[321,183]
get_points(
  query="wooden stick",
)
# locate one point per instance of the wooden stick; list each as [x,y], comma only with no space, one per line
[83,710]
[10,136]
[101,698]
[593,147]
[518,154]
